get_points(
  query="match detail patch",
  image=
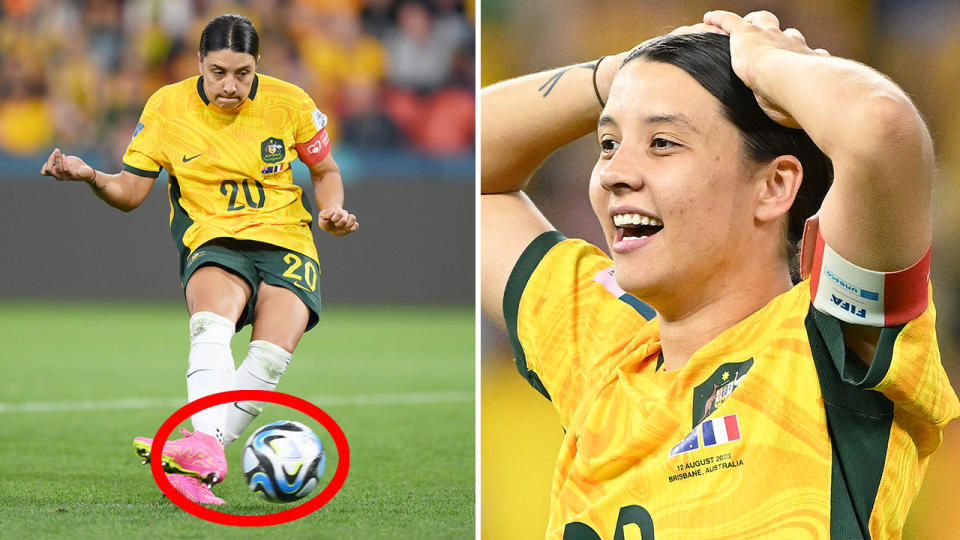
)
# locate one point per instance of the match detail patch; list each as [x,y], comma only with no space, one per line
[713,432]
[859,296]
[319,119]
[271,169]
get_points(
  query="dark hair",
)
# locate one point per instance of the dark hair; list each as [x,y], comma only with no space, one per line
[706,57]
[230,31]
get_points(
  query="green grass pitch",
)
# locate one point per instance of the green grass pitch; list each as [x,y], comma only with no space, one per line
[79,381]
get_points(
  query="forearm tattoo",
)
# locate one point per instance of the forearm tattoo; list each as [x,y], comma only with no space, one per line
[547,87]
[95,185]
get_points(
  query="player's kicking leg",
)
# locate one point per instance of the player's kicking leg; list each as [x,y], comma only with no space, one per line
[199,455]
[280,319]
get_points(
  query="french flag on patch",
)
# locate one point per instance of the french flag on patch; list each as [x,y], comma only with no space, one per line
[720,430]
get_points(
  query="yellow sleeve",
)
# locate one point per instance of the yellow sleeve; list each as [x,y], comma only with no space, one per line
[309,120]
[565,314]
[911,375]
[144,156]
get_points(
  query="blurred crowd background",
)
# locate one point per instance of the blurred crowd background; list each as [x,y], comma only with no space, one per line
[391,74]
[913,41]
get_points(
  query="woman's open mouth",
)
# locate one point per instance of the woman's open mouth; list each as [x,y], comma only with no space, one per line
[634,230]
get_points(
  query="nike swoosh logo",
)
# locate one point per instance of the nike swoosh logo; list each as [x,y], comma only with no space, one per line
[186,159]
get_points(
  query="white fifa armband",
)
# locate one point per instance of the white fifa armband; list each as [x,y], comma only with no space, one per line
[859,296]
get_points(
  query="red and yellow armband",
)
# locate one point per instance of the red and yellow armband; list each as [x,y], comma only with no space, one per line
[856,295]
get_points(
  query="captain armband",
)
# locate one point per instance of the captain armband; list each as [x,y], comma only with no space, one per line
[314,150]
[859,296]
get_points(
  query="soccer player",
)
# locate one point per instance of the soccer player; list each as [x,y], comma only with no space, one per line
[702,391]
[227,138]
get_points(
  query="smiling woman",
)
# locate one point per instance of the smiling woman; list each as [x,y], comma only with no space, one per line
[710,383]
[667,87]
[242,227]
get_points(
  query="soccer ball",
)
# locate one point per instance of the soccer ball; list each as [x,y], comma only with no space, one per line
[283,461]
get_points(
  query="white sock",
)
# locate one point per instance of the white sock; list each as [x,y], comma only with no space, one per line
[210,368]
[261,370]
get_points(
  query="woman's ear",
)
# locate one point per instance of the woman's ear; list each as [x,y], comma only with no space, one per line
[777,186]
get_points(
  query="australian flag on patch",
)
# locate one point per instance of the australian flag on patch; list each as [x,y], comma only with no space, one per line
[272,169]
[690,442]
[714,432]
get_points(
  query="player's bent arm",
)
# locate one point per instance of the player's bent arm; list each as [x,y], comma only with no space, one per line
[123,190]
[877,214]
[327,183]
[328,192]
[508,223]
[522,122]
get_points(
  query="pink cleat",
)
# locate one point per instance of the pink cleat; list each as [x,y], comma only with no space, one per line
[193,489]
[197,454]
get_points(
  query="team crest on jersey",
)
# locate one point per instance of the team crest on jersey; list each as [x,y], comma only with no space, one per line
[272,150]
[709,395]
[271,169]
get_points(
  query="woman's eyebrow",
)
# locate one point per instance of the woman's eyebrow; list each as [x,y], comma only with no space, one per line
[672,118]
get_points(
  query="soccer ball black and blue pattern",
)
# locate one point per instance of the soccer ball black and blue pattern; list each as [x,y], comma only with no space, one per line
[283,461]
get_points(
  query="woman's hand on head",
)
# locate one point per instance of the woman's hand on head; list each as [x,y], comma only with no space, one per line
[752,37]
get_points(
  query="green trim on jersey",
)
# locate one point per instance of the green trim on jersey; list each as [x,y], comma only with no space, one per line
[859,421]
[254,86]
[200,92]
[517,282]
[883,357]
[641,307]
[141,172]
[180,221]
[305,201]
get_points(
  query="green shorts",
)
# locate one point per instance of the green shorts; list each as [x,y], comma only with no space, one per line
[258,262]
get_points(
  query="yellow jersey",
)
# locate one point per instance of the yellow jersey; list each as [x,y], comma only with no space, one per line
[771,430]
[230,171]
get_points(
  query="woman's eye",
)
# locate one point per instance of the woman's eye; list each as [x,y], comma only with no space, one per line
[662,143]
[608,145]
